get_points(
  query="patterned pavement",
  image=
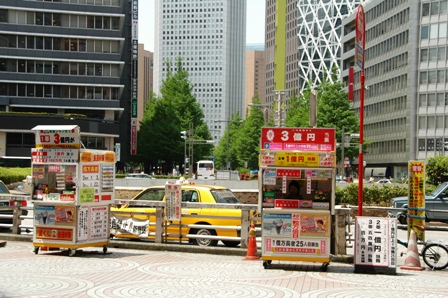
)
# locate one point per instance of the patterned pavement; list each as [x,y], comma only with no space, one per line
[144,273]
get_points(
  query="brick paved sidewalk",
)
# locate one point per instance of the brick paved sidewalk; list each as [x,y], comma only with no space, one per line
[143,273]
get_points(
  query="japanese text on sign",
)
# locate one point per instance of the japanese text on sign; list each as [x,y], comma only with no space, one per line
[300,139]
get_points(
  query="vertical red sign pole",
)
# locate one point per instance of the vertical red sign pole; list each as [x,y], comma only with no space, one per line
[360,48]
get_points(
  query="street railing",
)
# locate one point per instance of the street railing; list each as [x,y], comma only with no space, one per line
[248,216]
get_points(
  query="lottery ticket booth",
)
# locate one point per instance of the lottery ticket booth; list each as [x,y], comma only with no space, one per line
[297,224]
[72,190]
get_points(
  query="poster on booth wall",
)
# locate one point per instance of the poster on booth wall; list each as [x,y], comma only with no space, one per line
[307,246]
[44,215]
[65,215]
[99,223]
[90,183]
[83,224]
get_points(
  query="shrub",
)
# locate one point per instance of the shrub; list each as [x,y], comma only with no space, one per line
[372,194]
[12,175]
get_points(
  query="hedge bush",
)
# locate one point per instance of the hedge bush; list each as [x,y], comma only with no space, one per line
[373,194]
[12,175]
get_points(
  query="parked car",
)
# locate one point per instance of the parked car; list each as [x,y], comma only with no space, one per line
[139,175]
[436,205]
[190,193]
[6,201]
[383,181]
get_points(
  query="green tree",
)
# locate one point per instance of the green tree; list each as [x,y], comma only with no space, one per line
[226,150]
[247,140]
[437,170]
[298,111]
[159,137]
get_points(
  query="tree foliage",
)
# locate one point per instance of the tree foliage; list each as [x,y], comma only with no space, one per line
[437,170]
[159,141]
[248,137]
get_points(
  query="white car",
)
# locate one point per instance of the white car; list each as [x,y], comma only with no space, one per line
[139,175]
[384,181]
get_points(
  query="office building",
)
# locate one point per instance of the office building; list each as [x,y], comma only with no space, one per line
[255,76]
[405,106]
[65,63]
[145,79]
[302,42]
[210,38]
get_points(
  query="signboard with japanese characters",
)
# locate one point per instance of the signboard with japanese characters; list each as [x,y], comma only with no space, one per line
[375,245]
[416,194]
[298,139]
[57,136]
[173,195]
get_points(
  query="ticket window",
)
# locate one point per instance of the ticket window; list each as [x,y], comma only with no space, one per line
[47,179]
[313,189]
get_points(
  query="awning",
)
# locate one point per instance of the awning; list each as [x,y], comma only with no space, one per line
[374,172]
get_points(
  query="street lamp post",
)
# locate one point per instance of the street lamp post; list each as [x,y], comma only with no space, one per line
[184,136]
[279,108]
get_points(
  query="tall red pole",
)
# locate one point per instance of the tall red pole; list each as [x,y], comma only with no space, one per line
[361,141]
[360,40]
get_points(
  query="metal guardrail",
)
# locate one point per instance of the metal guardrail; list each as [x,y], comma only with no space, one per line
[161,224]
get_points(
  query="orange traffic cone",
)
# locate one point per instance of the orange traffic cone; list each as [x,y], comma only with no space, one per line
[252,245]
[412,261]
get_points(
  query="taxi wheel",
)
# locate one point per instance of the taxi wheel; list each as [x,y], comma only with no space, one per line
[204,241]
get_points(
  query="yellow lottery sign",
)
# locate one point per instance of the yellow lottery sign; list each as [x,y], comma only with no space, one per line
[297,159]
[416,196]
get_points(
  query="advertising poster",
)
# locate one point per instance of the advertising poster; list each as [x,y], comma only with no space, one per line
[277,224]
[44,215]
[87,195]
[65,215]
[314,224]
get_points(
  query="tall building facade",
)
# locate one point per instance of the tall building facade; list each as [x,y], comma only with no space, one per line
[302,42]
[405,105]
[145,79]
[255,76]
[65,63]
[210,38]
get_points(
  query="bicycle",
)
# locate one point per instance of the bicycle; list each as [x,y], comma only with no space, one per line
[435,255]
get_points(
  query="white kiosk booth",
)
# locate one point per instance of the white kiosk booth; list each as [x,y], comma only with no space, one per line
[72,190]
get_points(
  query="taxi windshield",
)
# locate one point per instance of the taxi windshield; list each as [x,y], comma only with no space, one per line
[224,196]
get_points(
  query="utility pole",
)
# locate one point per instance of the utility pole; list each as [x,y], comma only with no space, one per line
[342,152]
[279,108]
[313,108]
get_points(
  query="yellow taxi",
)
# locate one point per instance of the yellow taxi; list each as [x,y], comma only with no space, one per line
[130,221]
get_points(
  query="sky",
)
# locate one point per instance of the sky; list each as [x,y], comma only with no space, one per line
[254,23]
